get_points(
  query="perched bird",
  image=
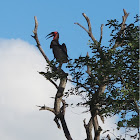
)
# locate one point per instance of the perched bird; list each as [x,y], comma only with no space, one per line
[59,51]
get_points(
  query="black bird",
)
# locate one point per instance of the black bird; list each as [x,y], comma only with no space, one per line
[59,51]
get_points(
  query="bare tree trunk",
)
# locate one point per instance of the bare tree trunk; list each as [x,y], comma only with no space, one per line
[97,128]
[60,111]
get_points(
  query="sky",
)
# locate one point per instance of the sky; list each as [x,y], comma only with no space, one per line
[17,20]
[21,87]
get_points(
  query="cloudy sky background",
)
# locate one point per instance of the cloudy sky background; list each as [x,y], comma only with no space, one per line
[21,87]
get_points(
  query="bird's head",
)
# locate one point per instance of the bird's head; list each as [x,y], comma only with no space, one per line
[55,35]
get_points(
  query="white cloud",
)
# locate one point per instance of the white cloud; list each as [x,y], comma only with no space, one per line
[22,88]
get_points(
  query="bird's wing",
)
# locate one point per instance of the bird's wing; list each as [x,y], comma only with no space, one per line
[64,48]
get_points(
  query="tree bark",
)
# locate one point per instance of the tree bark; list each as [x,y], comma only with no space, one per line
[88,128]
[65,128]
[97,128]
[59,94]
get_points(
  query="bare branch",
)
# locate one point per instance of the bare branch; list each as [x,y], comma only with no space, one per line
[89,31]
[48,78]
[117,44]
[88,22]
[82,27]
[88,128]
[46,108]
[53,83]
[124,19]
[101,33]
[57,122]
[88,67]
[36,25]
[102,118]
[89,28]
[37,40]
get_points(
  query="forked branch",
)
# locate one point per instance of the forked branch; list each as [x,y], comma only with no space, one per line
[101,33]
[117,44]
[46,108]
[88,128]
[89,31]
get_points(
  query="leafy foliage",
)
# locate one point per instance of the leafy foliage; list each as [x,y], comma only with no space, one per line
[53,72]
[117,69]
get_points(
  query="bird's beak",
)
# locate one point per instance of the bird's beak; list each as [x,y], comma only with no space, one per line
[50,35]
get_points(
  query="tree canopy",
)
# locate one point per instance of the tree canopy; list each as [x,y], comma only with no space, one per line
[116,68]
[107,78]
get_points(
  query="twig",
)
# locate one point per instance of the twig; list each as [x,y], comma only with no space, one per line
[37,40]
[122,28]
[53,83]
[46,108]
[57,122]
[89,31]
[88,21]
[81,26]
[87,88]
[101,33]
[102,118]
[124,19]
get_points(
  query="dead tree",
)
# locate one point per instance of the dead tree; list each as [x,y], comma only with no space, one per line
[59,103]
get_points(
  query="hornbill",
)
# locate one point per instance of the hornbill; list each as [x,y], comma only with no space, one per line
[59,51]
